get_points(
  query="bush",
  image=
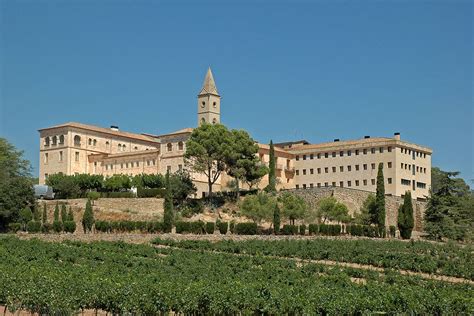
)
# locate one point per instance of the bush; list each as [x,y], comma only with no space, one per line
[303,229]
[289,230]
[33,226]
[246,228]
[46,228]
[223,226]
[124,194]
[392,231]
[148,193]
[69,226]
[313,229]
[210,227]
[57,226]
[14,227]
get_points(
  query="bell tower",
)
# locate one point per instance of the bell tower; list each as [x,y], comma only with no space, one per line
[209,101]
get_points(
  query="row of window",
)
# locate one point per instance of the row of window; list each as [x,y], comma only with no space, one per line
[341,153]
[54,140]
[341,168]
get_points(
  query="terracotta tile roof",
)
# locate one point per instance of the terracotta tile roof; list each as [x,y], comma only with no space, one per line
[104,130]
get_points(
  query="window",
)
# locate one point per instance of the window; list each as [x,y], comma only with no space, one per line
[405,182]
[77,140]
[304,157]
[341,153]
[373,166]
[389,164]
[389,180]
[341,184]
[341,168]
[61,140]
[365,151]
[61,156]
[297,157]
[349,183]
[180,146]
[311,171]
[357,183]
[326,170]
[319,170]
[334,154]
[381,150]
[373,181]
[333,169]
[76,156]
[297,172]
[365,166]
[304,172]
[365,181]
[311,156]
[357,167]
[372,150]
[169,146]
[46,157]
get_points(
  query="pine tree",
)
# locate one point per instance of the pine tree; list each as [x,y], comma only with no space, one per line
[271,174]
[276,219]
[88,218]
[168,206]
[379,219]
[45,214]
[405,217]
[63,213]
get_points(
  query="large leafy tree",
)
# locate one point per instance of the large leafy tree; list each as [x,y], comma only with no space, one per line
[208,150]
[16,187]
[379,216]
[405,218]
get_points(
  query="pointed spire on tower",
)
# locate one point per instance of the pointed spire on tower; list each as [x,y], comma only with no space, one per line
[209,86]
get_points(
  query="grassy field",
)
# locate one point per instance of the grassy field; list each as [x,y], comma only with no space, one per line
[209,278]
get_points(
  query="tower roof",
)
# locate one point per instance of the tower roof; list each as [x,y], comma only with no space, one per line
[209,86]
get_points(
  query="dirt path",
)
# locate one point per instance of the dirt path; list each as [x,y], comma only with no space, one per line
[423,275]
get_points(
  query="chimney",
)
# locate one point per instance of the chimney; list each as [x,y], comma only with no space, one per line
[366,136]
[114,128]
[336,140]
[396,135]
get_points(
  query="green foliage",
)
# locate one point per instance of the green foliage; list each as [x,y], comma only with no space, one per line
[223,226]
[33,226]
[14,227]
[16,187]
[88,218]
[246,228]
[271,173]
[168,206]
[63,213]
[289,229]
[368,211]
[405,219]
[379,217]
[258,207]
[329,209]
[210,227]
[276,218]
[294,207]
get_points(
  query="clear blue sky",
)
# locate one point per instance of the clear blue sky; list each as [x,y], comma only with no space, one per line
[286,70]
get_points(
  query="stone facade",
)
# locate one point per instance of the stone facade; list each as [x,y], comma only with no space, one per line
[354,199]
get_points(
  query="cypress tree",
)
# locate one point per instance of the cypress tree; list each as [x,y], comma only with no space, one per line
[88,218]
[168,206]
[379,219]
[405,217]
[276,219]
[271,173]
[45,214]
[63,213]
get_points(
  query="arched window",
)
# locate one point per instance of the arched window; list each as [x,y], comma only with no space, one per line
[61,140]
[77,140]
[169,146]
[180,145]
[46,141]
[55,140]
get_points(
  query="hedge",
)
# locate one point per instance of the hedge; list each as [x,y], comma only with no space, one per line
[33,226]
[155,192]
[246,228]
[289,230]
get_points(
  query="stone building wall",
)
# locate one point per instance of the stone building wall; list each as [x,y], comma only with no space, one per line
[354,199]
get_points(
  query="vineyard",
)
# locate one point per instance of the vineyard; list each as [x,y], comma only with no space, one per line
[68,277]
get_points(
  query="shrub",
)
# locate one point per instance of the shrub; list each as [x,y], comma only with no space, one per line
[223,227]
[210,227]
[46,227]
[148,193]
[14,227]
[392,231]
[303,229]
[289,230]
[69,226]
[33,226]
[246,228]
[313,229]
[57,226]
